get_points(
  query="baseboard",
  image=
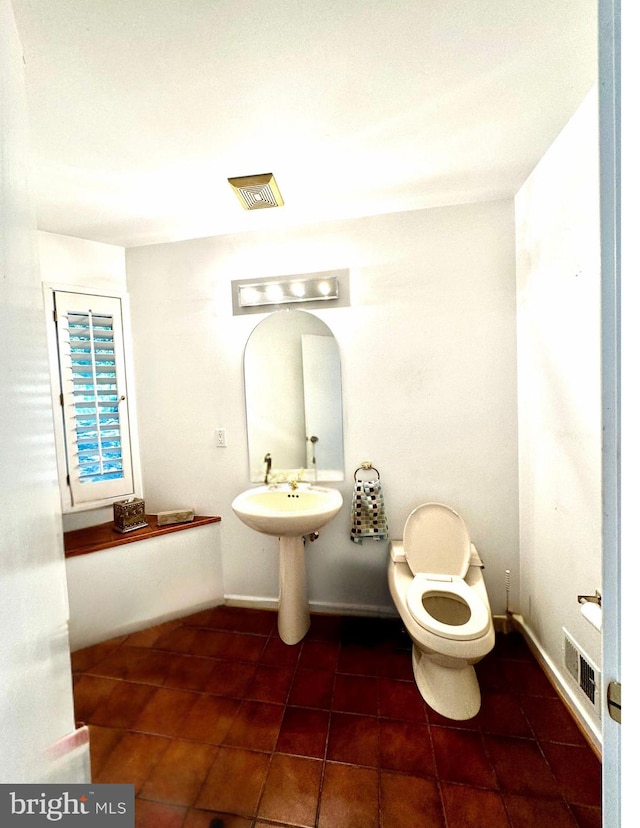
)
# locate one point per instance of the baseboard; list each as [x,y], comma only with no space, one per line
[502,623]
[363,610]
[250,602]
[566,694]
[321,607]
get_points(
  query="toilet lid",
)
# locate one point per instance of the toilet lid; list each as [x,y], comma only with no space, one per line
[436,540]
[475,626]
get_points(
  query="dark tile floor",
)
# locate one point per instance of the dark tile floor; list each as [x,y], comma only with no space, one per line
[221,725]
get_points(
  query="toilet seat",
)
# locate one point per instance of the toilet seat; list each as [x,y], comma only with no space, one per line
[437,548]
[479,620]
[436,540]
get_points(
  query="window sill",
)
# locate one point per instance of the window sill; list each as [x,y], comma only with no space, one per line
[104,536]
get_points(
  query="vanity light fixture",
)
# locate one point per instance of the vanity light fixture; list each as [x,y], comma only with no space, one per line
[312,288]
[256,192]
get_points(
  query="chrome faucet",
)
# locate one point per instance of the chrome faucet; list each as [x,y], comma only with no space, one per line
[267,460]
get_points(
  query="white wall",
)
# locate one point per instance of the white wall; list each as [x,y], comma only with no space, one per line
[36,705]
[132,586]
[136,585]
[429,376]
[558,272]
[78,263]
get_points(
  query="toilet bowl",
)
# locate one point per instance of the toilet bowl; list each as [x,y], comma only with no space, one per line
[436,582]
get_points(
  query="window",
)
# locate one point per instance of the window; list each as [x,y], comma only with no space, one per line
[92,422]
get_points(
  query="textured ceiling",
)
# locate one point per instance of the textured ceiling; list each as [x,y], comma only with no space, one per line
[140,111]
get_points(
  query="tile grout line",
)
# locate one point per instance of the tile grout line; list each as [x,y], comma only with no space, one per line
[339,668]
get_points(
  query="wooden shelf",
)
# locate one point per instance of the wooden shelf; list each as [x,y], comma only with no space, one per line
[104,536]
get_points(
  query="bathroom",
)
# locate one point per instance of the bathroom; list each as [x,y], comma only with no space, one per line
[401,312]
[433,305]
[438,319]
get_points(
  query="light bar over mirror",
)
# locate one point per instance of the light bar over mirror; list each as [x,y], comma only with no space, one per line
[251,294]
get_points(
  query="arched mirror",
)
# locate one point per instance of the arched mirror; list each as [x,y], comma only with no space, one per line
[293,393]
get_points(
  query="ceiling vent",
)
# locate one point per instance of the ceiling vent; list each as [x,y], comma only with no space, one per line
[256,192]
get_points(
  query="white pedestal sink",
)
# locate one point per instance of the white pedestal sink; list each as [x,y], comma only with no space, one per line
[289,513]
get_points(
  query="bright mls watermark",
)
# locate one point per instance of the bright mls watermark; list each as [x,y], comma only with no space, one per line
[108,806]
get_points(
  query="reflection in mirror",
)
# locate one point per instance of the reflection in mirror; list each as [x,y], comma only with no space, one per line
[293,393]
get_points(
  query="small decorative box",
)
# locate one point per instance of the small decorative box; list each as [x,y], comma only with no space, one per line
[129,515]
[175,516]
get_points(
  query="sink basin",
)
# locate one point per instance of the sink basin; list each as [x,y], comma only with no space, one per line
[286,512]
[289,514]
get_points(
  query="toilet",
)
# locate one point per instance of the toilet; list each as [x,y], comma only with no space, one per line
[436,582]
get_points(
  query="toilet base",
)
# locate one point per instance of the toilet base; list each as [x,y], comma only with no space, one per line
[451,691]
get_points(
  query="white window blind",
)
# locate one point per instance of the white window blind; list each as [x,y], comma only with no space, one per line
[93,397]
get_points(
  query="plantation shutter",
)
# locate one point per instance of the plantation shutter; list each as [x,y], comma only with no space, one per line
[94,396]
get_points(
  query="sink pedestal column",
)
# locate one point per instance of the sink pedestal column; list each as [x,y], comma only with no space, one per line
[293,611]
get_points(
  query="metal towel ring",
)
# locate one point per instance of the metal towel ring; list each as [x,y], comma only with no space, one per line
[366,466]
